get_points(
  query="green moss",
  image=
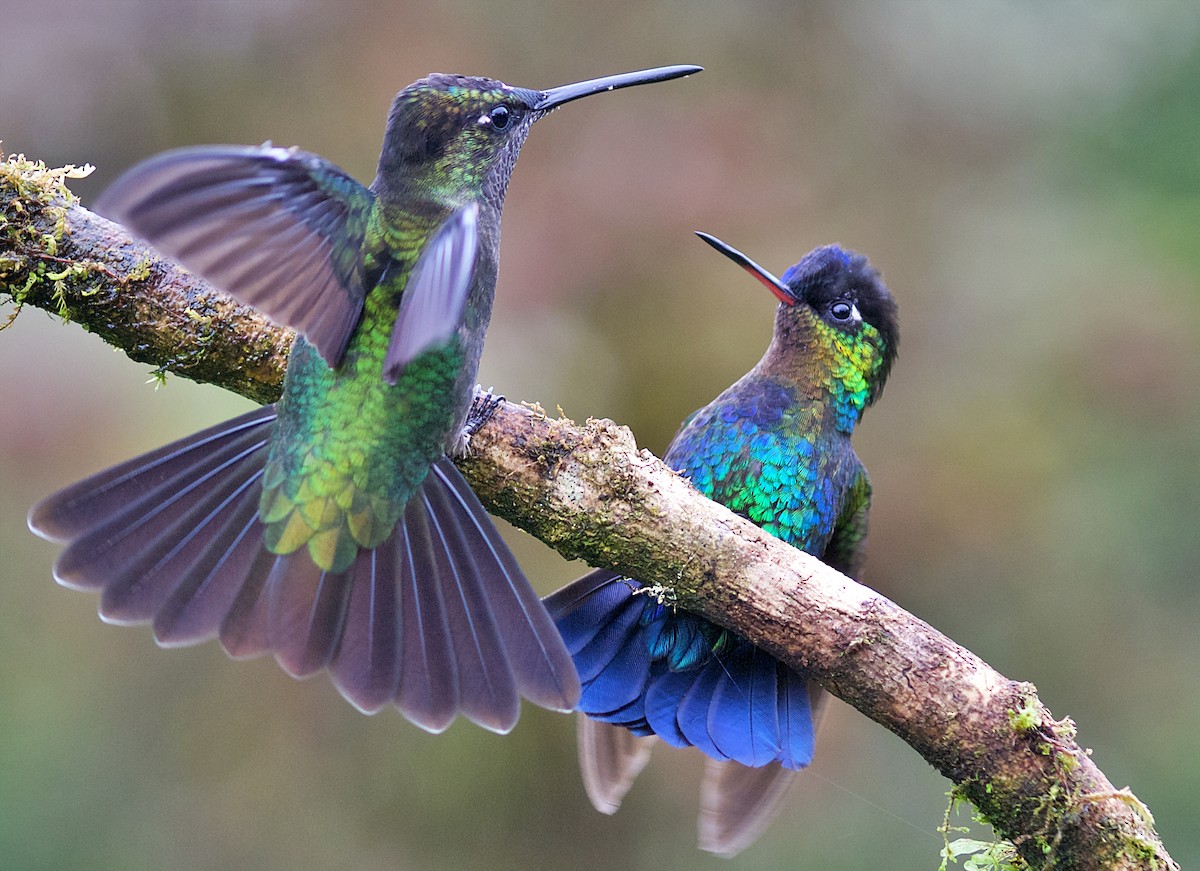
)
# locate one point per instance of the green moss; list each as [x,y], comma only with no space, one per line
[140,270]
[976,855]
[32,197]
[158,377]
[1067,762]
[1027,717]
[33,180]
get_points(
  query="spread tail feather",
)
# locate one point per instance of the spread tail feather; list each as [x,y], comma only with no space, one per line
[541,666]
[657,671]
[438,619]
[650,671]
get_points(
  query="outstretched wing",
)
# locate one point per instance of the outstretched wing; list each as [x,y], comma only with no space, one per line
[278,229]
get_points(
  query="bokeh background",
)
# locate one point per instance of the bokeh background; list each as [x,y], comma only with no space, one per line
[1026,175]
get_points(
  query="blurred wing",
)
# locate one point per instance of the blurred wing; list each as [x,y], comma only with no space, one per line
[737,803]
[431,307]
[278,229]
[610,759]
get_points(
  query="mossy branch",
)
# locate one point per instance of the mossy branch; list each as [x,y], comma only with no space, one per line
[590,493]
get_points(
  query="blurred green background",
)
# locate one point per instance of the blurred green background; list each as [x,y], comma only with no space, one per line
[1026,175]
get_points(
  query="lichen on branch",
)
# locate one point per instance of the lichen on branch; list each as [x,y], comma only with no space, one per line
[56,255]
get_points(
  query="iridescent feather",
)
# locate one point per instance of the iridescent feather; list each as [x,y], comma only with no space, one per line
[331,529]
[775,448]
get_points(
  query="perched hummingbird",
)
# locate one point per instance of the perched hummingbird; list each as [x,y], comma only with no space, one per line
[775,448]
[330,528]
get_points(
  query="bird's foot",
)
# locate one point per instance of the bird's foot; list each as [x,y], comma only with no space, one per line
[483,406]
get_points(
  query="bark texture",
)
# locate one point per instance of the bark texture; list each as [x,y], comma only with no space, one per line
[590,493]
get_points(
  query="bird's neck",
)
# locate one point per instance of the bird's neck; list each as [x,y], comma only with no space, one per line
[445,181]
[821,363]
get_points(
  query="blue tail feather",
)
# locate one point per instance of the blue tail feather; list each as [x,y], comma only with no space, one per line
[693,713]
[742,718]
[663,695]
[620,683]
[581,609]
[629,715]
[796,726]
[620,631]
[660,672]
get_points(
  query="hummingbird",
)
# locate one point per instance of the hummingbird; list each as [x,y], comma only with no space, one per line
[775,448]
[331,528]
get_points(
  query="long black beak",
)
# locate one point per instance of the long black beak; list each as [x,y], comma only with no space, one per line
[772,283]
[566,93]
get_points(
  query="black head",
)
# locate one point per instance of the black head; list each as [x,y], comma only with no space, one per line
[829,278]
[835,292]
[458,137]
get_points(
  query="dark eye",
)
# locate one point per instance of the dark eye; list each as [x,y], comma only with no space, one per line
[842,311]
[501,118]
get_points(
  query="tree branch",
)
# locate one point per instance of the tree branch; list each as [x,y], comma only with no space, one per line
[590,493]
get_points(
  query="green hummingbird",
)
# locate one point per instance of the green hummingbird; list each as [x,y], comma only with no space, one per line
[331,528]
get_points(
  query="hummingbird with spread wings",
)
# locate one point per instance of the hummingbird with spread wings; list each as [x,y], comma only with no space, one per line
[331,528]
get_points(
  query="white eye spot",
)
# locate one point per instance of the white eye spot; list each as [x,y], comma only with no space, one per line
[844,311]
